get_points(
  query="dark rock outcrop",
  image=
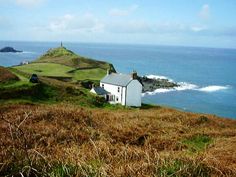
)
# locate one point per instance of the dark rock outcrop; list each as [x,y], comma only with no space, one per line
[9,49]
[150,85]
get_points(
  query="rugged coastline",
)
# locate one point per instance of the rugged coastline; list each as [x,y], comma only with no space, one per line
[151,84]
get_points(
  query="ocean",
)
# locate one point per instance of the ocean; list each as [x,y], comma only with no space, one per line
[207,75]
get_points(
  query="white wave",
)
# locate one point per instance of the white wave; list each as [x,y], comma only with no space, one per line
[151,76]
[17,53]
[184,86]
[160,90]
[25,52]
[213,88]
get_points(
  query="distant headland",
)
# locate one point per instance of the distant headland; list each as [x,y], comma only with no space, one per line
[9,50]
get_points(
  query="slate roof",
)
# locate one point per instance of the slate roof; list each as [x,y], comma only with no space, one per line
[100,91]
[117,79]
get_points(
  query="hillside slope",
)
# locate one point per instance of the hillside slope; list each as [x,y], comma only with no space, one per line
[66,57]
[62,63]
[66,140]
[6,75]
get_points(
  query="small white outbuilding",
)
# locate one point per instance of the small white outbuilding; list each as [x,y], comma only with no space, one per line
[124,89]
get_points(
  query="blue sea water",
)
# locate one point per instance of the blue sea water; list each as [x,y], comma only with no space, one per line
[207,75]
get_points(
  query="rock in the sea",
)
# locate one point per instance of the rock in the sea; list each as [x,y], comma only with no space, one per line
[149,85]
[9,49]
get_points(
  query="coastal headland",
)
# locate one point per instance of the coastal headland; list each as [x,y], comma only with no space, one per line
[58,128]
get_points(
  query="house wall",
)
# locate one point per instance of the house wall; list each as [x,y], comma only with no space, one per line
[123,96]
[134,94]
[113,89]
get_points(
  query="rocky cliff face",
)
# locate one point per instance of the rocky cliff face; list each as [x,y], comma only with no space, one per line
[149,85]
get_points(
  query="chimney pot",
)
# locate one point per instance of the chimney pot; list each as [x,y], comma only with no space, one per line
[134,75]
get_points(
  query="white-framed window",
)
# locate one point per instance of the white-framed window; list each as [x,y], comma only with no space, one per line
[118,89]
[117,98]
[102,85]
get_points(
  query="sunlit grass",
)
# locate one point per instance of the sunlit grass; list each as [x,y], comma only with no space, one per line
[91,74]
[46,69]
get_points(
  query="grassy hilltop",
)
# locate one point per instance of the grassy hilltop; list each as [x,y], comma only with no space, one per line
[57,128]
[60,62]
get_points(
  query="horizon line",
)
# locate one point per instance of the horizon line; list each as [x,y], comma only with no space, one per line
[120,43]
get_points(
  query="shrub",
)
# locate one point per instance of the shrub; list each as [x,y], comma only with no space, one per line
[63,170]
[202,120]
[197,142]
[183,168]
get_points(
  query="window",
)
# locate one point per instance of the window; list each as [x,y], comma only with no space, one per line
[102,85]
[117,99]
[118,89]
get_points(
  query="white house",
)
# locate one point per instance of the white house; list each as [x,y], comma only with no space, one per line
[120,88]
[24,62]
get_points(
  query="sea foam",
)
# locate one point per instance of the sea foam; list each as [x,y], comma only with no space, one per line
[24,52]
[213,88]
[184,86]
[27,52]
[160,90]
[151,76]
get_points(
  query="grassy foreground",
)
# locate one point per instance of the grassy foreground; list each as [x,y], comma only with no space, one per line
[7,76]
[57,128]
[67,140]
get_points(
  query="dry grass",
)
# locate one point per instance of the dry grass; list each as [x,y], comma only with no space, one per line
[6,76]
[65,140]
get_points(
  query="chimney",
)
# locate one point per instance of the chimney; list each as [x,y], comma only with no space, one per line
[134,75]
[108,71]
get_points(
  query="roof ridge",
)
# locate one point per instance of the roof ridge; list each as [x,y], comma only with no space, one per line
[117,79]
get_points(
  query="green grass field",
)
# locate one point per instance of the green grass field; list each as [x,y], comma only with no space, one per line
[58,70]
[61,62]
[92,74]
[46,69]
[22,82]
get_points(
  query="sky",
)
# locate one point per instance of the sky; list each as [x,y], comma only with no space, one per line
[205,23]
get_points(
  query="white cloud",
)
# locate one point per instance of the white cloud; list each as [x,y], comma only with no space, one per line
[123,12]
[24,3]
[145,27]
[87,23]
[28,3]
[198,28]
[61,23]
[205,12]
[136,26]
[170,27]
